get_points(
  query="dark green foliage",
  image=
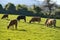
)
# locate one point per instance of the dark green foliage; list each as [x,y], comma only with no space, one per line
[50,6]
[57,14]
[30,11]
[10,8]
[1,9]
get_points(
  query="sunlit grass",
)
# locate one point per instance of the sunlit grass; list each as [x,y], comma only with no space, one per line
[27,31]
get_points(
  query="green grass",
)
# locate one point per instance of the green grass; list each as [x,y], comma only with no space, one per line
[27,31]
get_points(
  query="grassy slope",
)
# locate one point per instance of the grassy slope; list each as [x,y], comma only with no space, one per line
[26,31]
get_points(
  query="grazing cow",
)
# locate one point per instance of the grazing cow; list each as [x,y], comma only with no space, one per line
[50,22]
[35,19]
[4,16]
[12,22]
[21,17]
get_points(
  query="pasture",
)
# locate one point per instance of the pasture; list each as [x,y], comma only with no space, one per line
[28,31]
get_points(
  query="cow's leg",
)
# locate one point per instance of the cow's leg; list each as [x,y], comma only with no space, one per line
[38,21]
[18,20]
[2,17]
[16,26]
[54,25]
[25,19]
[8,27]
[47,25]
[50,25]
[7,17]
[30,21]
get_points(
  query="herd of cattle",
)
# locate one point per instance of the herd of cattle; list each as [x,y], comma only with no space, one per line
[48,22]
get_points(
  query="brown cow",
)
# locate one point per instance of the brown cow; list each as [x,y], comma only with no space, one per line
[4,16]
[35,19]
[50,22]
[12,22]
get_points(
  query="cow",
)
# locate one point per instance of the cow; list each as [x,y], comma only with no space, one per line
[35,19]
[50,22]
[12,22]
[21,17]
[4,16]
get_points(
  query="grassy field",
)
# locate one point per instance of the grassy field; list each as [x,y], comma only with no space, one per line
[27,31]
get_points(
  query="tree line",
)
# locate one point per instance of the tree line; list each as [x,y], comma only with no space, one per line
[34,10]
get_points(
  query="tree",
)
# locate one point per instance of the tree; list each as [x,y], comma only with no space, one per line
[10,8]
[49,5]
[22,9]
[18,7]
[37,10]
[1,9]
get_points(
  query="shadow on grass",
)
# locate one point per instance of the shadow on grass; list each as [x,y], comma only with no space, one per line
[36,23]
[8,19]
[22,30]
[9,39]
[57,27]
[18,30]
